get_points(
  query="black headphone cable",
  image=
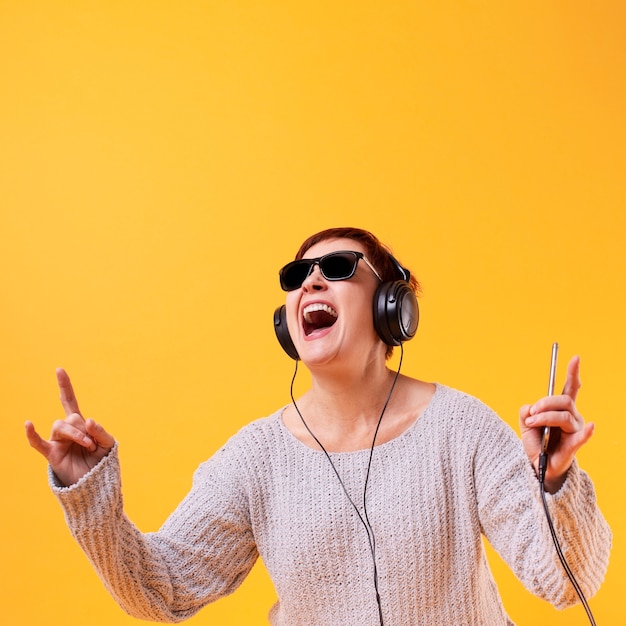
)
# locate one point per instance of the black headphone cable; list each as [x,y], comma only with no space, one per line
[363,518]
[543,464]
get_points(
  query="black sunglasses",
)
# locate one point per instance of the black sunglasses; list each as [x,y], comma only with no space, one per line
[339,265]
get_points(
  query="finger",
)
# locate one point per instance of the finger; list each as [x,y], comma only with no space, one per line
[579,439]
[77,420]
[68,398]
[551,403]
[524,414]
[62,430]
[572,382]
[99,435]
[35,440]
[587,432]
[566,420]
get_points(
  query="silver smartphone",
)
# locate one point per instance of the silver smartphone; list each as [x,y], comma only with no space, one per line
[545,437]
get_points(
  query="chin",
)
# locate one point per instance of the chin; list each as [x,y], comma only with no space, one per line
[314,354]
[317,358]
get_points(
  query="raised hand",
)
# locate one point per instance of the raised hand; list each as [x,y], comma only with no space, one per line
[569,430]
[76,445]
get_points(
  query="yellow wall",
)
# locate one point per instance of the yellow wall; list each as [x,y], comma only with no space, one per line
[159,161]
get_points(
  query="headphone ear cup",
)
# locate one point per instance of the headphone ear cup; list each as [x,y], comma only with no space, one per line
[282,332]
[396,312]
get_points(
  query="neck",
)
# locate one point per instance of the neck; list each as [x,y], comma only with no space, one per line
[343,411]
[349,402]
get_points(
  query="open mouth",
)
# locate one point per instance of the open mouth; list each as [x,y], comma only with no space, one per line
[317,316]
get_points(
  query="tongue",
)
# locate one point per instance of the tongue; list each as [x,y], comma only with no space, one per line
[317,321]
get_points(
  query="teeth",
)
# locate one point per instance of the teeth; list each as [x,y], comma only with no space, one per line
[317,306]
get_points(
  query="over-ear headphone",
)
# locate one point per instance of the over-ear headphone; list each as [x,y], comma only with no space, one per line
[395,309]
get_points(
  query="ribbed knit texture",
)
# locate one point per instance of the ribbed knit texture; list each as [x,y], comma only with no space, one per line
[457,473]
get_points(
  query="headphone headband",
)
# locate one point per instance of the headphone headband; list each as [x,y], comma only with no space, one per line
[406,275]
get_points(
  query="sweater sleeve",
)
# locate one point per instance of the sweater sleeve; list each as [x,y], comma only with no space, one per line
[202,552]
[513,520]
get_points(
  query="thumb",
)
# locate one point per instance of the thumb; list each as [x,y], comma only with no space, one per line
[35,440]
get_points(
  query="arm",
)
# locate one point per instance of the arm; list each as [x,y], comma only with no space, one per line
[201,553]
[512,518]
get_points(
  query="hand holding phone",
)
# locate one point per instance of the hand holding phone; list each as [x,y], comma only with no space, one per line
[543,464]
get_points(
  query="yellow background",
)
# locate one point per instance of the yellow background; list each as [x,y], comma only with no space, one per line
[159,161]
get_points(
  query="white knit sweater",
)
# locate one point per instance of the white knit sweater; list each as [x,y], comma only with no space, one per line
[457,473]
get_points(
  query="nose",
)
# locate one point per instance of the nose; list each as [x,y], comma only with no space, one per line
[314,281]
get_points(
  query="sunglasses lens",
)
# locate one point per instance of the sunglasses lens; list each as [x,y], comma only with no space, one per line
[334,266]
[338,266]
[294,274]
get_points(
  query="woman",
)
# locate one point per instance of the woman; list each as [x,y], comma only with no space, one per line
[366,498]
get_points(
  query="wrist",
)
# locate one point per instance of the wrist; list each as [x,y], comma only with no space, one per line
[553,485]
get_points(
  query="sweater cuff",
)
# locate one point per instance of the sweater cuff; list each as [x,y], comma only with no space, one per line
[97,489]
[569,491]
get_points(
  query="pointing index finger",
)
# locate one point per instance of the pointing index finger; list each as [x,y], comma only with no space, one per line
[68,398]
